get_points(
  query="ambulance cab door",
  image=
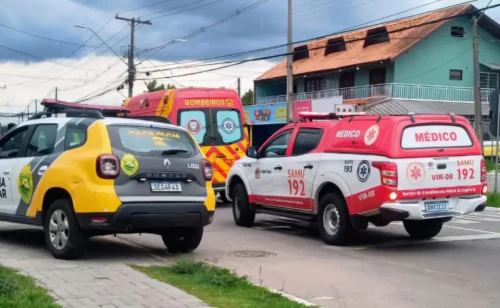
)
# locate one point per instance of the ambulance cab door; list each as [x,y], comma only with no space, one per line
[12,148]
[302,166]
[268,176]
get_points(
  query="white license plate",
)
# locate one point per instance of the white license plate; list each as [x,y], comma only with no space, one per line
[436,206]
[166,187]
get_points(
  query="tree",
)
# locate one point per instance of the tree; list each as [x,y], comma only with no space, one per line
[153,86]
[247,98]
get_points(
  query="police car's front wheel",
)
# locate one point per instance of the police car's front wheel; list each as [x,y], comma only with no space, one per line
[63,236]
[423,229]
[333,220]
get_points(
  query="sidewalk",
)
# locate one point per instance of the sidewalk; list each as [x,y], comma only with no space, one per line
[101,280]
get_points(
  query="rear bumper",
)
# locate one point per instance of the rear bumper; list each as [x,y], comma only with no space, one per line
[415,209]
[144,217]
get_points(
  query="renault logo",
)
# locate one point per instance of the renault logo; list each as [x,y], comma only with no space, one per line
[166,163]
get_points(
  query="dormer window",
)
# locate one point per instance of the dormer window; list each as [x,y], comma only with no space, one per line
[300,52]
[376,36]
[335,45]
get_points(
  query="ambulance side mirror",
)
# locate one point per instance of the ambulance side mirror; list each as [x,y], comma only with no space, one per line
[252,152]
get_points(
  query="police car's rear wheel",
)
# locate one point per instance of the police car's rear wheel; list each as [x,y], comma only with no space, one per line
[63,236]
[182,239]
[243,214]
[423,229]
[333,220]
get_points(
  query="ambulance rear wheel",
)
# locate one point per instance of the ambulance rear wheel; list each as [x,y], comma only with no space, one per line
[334,222]
[243,213]
[423,229]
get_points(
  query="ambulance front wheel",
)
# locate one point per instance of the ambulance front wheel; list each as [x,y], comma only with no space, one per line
[243,213]
[423,229]
[334,221]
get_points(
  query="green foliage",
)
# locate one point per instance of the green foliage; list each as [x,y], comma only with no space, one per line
[247,98]
[153,86]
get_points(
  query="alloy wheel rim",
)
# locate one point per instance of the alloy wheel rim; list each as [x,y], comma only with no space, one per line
[59,229]
[331,219]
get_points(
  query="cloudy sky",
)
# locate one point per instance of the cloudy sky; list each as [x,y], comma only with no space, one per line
[41,49]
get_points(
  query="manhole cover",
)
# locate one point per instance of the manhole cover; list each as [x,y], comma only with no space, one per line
[252,254]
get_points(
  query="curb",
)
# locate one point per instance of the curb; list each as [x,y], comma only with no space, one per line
[492,209]
[290,297]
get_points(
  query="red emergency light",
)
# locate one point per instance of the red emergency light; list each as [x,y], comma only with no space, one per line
[307,115]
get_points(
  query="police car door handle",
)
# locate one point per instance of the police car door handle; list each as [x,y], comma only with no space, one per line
[278,168]
[42,170]
[308,166]
[6,172]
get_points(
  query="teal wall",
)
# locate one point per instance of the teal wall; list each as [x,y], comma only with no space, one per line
[430,61]
[270,88]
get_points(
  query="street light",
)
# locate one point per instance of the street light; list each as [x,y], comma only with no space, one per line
[85,27]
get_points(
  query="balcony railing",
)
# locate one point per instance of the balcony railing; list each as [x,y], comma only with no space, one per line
[392,90]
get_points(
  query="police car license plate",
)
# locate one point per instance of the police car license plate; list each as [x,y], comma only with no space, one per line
[166,187]
[436,206]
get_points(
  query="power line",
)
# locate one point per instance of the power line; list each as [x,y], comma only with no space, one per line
[145,6]
[233,63]
[353,28]
[203,29]
[45,60]
[46,38]
[175,8]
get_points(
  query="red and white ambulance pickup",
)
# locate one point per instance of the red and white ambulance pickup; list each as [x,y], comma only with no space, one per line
[344,171]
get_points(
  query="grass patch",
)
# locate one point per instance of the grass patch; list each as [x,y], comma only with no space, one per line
[490,165]
[17,291]
[493,199]
[218,287]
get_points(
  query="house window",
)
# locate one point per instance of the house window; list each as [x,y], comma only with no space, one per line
[301,52]
[488,80]
[335,45]
[315,84]
[456,74]
[376,36]
[457,31]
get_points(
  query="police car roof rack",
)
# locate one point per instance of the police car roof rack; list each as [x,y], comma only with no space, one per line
[310,116]
[70,113]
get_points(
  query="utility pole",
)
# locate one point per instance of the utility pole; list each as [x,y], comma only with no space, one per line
[478,113]
[36,106]
[239,87]
[289,65]
[131,65]
[56,93]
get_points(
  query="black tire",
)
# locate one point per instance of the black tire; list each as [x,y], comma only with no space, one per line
[243,213]
[76,243]
[182,239]
[223,197]
[340,231]
[423,229]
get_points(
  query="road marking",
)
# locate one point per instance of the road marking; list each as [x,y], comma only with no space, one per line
[468,229]
[433,240]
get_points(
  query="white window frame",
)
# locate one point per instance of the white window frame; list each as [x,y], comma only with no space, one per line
[488,74]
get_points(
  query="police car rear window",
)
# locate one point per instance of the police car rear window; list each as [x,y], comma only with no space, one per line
[144,140]
[435,136]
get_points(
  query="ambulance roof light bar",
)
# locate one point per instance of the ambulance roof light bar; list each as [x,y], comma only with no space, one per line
[309,116]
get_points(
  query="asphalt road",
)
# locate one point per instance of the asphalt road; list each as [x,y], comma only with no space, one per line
[383,268]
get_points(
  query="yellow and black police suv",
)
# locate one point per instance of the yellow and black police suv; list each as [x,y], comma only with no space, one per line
[83,175]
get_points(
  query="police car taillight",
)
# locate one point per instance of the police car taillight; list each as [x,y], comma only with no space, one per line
[207,170]
[483,170]
[108,166]
[388,172]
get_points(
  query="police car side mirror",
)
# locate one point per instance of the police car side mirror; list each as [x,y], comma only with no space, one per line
[252,152]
